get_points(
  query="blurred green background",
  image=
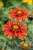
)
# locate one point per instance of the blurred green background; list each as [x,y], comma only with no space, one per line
[14,44]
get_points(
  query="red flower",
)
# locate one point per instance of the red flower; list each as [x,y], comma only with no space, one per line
[11,29]
[25,45]
[19,14]
[32,13]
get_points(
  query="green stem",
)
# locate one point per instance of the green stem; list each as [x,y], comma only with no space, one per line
[14,6]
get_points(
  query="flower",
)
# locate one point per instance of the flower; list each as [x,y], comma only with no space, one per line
[1,4]
[11,29]
[25,45]
[30,2]
[32,13]
[19,14]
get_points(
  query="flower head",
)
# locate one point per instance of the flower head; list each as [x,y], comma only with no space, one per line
[19,14]
[1,4]
[25,45]
[32,13]
[30,2]
[11,29]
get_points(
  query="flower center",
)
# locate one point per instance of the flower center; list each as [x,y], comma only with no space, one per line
[15,27]
[25,45]
[19,13]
